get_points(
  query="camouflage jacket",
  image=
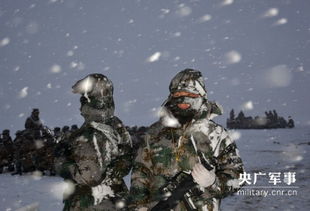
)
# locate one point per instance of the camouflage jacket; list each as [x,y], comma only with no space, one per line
[170,150]
[96,158]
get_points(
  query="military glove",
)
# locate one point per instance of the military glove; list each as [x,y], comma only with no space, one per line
[202,176]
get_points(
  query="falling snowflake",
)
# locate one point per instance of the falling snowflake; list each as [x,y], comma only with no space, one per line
[227,2]
[84,86]
[17,68]
[279,76]
[77,65]
[155,112]
[205,18]
[70,53]
[62,190]
[281,21]
[293,153]
[248,105]
[271,12]
[5,41]
[23,93]
[177,58]
[53,1]
[165,11]
[155,57]
[300,69]
[120,204]
[73,64]
[232,57]
[177,34]
[183,11]
[235,135]
[55,68]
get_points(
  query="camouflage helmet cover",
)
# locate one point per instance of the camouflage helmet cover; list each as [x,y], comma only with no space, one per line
[188,80]
[95,85]
[94,88]
[97,97]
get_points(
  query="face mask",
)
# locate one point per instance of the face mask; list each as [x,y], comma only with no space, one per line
[35,116]
[102,103]
[184,108]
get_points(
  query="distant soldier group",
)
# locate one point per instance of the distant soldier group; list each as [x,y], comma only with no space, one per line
[33,148]
[269,121]
[36,147]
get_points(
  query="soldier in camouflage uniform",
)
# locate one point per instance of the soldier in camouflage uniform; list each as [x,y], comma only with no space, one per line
[74,128]
[7,150]
[33,124]
[18,143]
[57,134]
[172,145]
[98,155]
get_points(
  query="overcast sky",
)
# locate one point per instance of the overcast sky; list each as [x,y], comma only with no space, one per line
[253,55]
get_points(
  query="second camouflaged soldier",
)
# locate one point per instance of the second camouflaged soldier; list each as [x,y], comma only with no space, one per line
[185,145]
[98,155]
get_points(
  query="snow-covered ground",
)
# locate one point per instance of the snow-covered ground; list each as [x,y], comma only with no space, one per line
[30,192]
[280,150]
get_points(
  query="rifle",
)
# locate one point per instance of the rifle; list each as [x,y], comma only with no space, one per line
[181,191]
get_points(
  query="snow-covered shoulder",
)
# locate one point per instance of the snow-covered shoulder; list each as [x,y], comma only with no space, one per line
[215,134]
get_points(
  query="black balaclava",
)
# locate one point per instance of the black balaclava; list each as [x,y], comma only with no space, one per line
[35,114]
[189,81]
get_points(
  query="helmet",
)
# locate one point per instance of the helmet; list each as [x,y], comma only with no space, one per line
[187,95]
[188,80]
[6,132]
[97,97]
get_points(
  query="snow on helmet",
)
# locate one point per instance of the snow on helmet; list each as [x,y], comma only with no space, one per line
[188,80]
[97,96]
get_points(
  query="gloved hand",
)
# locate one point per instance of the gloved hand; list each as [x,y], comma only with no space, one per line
[202,176]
